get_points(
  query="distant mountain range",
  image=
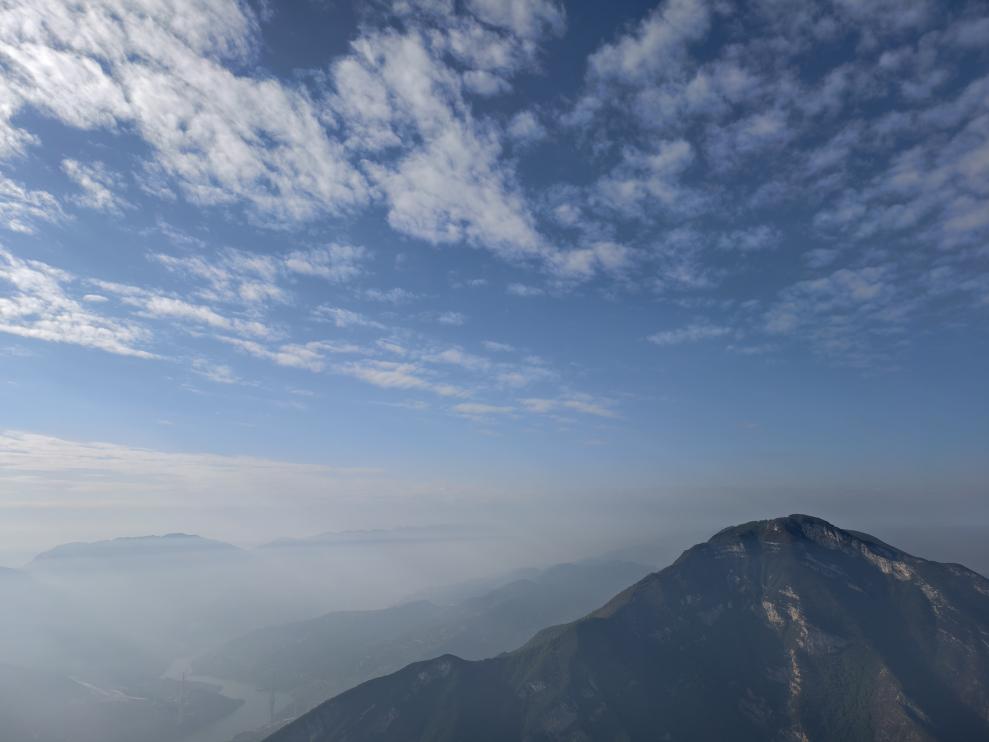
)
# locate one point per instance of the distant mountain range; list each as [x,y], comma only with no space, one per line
[132,547]
[318,658]
[178,544]
[787,629]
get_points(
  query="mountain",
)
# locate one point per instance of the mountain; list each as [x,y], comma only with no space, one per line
[178,593]
[318,658]
[459,592]
[786,629]
[323,653]
[12,578]
[123,550]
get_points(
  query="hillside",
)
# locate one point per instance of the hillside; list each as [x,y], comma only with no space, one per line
[320,657]
[788,629]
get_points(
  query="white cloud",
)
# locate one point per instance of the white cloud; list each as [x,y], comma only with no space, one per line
[479,410]
[449,182]
[485,83]
[99,185]
[757,132]
[521,289]
[21,208]
[834,153]
[337,263]
[395,121]
[345,317]
[689,334]
[528,19]
[517,377]
[645,180]
[751,239]
[38,305]
[408,404]
[221,136]
[458,357]
[821,257]
[930,188]
[392,122]
[582,403]
[392,296]
[887,14]
[41,471]
[526,128]
[13,140]
[309,356]
[390,346]
[449,185]
[454,190]
[480,48]
[157,305]
[851,315]
[398,375]
[452,318]
[255,280]
[231,276]
[217,372]
[843,289]
[582,263]
[680,263]
[657,44]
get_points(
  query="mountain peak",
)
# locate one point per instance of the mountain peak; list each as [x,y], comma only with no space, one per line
[775,529]
[799,528]
[789,628]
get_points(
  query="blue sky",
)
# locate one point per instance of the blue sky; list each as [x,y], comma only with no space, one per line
[332,265]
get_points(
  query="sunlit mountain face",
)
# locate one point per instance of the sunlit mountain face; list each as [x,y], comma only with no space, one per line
[338,336]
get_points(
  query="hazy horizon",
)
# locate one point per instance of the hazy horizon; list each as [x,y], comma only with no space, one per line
[59,491]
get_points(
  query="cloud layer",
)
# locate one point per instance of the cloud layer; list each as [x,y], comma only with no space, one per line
[436,213]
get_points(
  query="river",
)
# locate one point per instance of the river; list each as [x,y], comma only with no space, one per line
[255,712]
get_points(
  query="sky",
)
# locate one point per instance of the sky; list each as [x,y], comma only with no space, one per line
[272,269]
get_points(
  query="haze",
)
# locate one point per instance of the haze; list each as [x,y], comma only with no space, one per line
[444,289]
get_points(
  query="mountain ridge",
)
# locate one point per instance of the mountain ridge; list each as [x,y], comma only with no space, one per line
[782,629]
[323,656]
[130,546]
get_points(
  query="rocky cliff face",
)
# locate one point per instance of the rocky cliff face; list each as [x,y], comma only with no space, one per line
[788,629]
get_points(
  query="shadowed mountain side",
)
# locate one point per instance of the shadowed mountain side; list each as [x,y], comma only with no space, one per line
[319,658]
[788,629]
